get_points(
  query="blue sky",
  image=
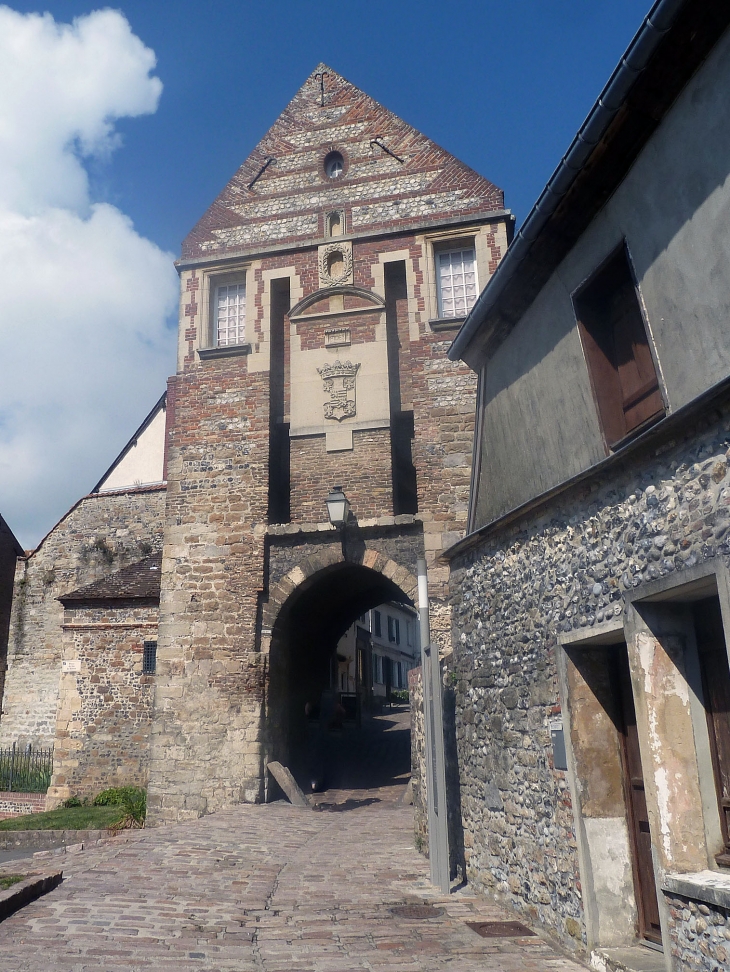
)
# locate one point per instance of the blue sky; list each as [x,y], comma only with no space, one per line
[119,127]
[503,86]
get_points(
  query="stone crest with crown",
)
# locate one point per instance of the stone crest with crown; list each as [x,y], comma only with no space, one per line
[339,383]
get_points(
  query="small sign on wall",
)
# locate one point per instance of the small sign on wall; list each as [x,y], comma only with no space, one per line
[557,738]
[71,665]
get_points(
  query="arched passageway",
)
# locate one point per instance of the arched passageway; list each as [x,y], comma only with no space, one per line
[327,743]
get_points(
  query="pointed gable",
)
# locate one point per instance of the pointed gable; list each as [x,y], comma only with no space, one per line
[392,175]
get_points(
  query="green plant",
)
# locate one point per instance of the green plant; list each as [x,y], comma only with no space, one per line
[132,799]
[102,547]
[418,841]
[74,818]
[72,801]
[399,695]
[8,880]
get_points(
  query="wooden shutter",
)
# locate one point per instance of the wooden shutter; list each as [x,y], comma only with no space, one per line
[622,372]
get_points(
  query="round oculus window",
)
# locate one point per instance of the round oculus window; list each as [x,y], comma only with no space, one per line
[334,165]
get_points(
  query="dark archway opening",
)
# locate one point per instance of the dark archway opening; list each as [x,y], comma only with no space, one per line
[330,745]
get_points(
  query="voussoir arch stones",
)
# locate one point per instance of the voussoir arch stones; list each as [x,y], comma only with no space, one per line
[282,590]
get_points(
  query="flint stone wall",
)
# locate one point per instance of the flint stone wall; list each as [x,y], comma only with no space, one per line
[101,534]
[699,936]
[561,568]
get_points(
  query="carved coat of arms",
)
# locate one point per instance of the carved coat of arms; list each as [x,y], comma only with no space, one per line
[339,384]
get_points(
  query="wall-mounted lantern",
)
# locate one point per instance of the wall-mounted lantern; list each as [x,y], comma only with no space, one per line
[338,510]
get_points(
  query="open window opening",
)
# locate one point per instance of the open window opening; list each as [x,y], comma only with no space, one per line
[616,345]
[279,441]
[715,671]
[621,902]
[402,426]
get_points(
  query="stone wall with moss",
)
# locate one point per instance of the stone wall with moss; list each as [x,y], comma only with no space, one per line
[101,534]
[418,759]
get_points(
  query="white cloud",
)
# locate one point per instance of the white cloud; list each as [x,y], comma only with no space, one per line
[85,343]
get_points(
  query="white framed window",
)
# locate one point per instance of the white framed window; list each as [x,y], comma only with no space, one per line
[393,630]
[230,314]
[456,281]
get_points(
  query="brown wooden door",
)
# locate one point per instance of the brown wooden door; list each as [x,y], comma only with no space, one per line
[638,818]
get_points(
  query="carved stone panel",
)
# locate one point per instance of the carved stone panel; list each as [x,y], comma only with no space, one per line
[335,264]
[339,384]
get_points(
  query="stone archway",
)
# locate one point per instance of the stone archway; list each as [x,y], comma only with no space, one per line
[309,609]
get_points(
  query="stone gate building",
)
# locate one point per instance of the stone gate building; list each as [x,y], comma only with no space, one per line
[319,294]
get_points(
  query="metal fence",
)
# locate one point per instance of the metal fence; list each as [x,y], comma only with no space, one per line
[25,770]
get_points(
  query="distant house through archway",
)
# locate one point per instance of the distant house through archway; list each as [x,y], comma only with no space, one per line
[303,686]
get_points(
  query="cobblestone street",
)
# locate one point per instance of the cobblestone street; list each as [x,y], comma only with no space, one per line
[266,888]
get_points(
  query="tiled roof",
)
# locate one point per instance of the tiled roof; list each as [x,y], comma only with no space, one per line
[138,581]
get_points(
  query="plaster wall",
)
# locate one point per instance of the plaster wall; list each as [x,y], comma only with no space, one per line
[144,462]
[658,641]
[540,424]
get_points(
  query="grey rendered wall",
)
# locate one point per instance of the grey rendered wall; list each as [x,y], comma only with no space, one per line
[540,425]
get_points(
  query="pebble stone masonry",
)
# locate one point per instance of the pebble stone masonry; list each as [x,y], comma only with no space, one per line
[564,568]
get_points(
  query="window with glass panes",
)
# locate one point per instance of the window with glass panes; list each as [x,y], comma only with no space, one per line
[230,314]
[457,282]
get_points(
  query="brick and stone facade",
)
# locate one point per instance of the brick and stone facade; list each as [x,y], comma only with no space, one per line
[341,379]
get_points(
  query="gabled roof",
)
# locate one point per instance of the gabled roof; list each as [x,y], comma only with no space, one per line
[671,44]
[140,581]
[393,174]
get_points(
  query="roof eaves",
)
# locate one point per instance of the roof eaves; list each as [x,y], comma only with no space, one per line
[659,20]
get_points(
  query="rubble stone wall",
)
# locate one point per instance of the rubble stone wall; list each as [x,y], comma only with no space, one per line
[564,567]
[101,534]
[105,701]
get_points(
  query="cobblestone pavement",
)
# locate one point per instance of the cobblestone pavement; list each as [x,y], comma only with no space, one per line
[262,888]
[270,889]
